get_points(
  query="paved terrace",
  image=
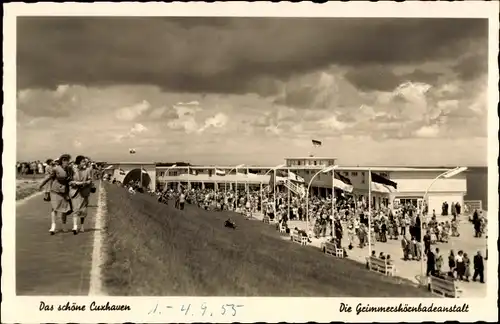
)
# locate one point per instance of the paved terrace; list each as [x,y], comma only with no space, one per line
[411,269]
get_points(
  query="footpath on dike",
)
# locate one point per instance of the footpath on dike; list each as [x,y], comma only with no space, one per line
[53,265]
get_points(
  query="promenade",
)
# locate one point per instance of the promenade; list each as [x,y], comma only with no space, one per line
[411,269]
[51,264]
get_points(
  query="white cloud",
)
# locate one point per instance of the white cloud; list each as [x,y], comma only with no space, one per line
[411,90]
[132,112]
[273,129]
[447,89]
[61,90]
[23,95]
[333,123]
[133,132]
[428,131]
[186,113]
[187,123]
[137,129]
[217,121]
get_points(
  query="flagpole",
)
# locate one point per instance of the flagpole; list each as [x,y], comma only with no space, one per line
[141,176]
[248,186]
[236,189]
[333,201]
[261,203]
[288,192]
[274,194]
[369,212]
[188,181]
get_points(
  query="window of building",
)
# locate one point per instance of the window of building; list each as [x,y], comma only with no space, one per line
[173,173]
[315,162]
[298,163]
[346,174]
[354,174]
[362,174]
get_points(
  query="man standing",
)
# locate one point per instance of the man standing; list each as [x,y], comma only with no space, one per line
[478,267]
[427,242]
[431,263]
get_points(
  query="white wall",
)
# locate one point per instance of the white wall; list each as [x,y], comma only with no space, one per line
[420,181]
[435,201]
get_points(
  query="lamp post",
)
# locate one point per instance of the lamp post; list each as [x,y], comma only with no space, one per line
[274,184]
[324,170]
[445,175]
[225,182]
[166,172]
[370,213]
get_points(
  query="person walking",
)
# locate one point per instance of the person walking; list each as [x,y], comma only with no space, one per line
[431,263]
[59,178]
[460,264]
[478,267]
[439,261]
[80,189]
[451,261]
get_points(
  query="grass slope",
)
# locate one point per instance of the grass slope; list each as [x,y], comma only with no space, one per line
[26,187]
[155,249]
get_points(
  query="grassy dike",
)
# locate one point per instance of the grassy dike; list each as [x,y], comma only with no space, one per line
[154,249]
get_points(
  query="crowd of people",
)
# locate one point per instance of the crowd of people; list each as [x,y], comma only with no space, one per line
[67,186]
[350,217]
[33,168]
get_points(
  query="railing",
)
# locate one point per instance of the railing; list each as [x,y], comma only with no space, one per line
[295,188]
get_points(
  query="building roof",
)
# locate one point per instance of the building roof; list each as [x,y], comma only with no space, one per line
[311,158]
[315,167]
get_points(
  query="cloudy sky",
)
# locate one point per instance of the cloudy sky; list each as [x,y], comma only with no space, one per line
[253,90]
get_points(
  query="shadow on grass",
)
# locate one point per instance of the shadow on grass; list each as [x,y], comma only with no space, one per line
[156,250]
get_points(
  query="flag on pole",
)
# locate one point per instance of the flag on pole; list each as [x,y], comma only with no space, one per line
[251,174]
[294,177]
[144,170]
[316,143]
[220,172]
[131,151]
[342,182]
[381,184]
[108,167]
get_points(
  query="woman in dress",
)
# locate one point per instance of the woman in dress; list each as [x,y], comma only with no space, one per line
[467,267]
[451,262]
[80,189]
[59,178]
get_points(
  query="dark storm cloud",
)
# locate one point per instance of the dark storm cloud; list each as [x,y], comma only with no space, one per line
[224,55]
[472,66]
[419,75]
[374,78]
